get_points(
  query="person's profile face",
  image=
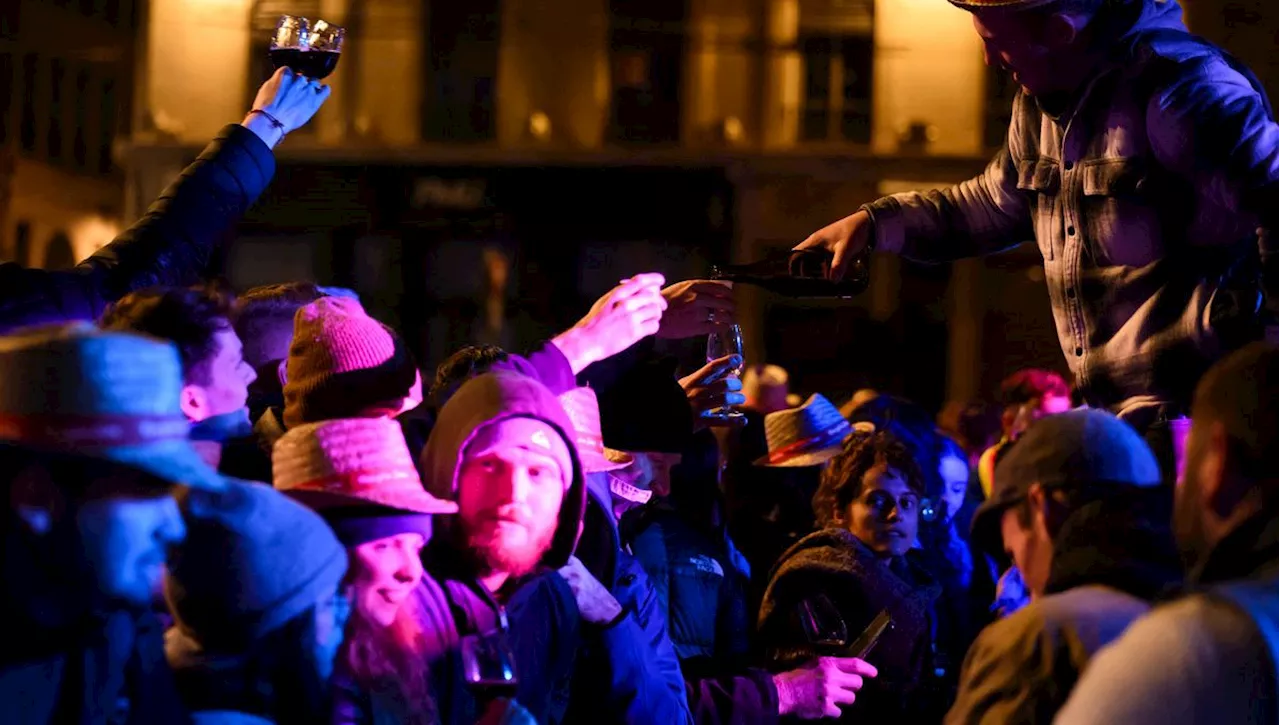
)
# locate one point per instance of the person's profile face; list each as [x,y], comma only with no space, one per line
[126,536]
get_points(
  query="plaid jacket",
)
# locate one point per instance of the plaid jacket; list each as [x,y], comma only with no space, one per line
[1143,198]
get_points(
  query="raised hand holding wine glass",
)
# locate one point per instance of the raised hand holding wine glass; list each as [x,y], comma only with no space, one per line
[726,342]
[312,51]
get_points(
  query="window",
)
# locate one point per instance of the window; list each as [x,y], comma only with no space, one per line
[79,147]
[57,76]
[6,96]
[999,107]
[27,129]
[107,126]
[836,48]
[461,70]
[837,89]
[647,42]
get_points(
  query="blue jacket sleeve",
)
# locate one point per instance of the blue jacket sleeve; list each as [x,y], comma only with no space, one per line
[171,244]
[645,680]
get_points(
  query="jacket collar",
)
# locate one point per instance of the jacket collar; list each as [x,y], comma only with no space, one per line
[1248,552]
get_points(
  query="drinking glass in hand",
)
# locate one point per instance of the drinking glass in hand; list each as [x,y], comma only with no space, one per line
[488,665]
[313,52]
[727,341]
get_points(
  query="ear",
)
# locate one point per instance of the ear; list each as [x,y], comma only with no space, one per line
[194,402]
[1062,29]
[1038,501]
[837,516]
[36,499]
[1215,493]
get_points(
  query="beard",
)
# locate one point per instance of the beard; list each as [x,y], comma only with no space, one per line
[497,549]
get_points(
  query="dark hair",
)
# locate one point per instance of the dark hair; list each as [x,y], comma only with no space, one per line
[269,310]
[460,367]
[912,426]
[189,317]
[1031,384]
[841,480]
[1240,393]
[276,679]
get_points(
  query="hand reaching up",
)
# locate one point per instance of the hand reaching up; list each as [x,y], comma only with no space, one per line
[696,307]
[287,98]
[625,315]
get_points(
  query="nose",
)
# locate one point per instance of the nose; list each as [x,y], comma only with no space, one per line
[249,374]
[894,513]
[410,569]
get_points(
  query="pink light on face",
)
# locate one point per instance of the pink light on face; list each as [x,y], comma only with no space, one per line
[512,481]
[386,571]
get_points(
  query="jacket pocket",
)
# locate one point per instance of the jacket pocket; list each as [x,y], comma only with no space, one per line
[1122,226]
[1041,179]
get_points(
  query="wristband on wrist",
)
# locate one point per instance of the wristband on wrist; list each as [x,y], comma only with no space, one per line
[275,122]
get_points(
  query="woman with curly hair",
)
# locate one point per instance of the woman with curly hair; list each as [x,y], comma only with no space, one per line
[862,562]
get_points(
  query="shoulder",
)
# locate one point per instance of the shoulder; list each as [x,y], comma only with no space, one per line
[1166,61]
[1074,623]
[1194,660]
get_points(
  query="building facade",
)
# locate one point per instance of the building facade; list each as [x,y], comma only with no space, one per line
[488,163]
[66,70]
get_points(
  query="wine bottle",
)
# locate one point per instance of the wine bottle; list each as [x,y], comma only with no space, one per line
[799,273]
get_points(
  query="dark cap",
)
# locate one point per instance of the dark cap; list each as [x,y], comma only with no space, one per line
[1067,451]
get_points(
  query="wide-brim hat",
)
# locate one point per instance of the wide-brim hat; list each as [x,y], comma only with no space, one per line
[806,436]
[583,409]
[109,395]
[352,462]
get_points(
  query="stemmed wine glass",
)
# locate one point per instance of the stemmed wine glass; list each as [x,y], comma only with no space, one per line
[311,51]
[727,341]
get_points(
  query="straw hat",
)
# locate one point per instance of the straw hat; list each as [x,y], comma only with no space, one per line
[113,395]
[352,462]
[583,409]
[806,436]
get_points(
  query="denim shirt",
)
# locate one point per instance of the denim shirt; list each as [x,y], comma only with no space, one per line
[1141,196]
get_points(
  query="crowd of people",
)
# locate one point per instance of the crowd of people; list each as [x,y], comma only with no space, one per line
[246,509]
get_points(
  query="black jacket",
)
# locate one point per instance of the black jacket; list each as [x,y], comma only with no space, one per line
[171,245]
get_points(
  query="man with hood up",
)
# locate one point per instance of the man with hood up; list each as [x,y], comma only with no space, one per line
[502,448]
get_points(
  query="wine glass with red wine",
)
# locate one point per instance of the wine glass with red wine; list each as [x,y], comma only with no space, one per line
[311,51]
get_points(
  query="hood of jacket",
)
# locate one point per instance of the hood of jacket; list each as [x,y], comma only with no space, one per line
[487,400]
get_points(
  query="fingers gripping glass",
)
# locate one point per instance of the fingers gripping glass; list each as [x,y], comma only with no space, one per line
[721,343]
[310,50]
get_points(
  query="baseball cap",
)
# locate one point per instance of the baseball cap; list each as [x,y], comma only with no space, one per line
[1067,451]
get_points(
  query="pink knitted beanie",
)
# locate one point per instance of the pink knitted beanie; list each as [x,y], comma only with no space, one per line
[345,364]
